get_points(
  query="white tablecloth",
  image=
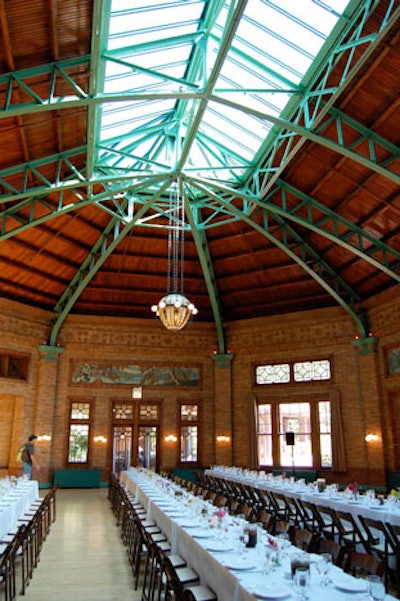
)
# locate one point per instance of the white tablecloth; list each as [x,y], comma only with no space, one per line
[213,566]
[362,506]
[15,501]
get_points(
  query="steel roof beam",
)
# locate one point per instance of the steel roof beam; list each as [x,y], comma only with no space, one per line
[301,254]
[312,215]
[203,251]
[107,242]
[320,98]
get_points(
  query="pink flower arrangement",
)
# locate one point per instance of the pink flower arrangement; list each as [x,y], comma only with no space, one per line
[272,544]
[220,513]
[353,487]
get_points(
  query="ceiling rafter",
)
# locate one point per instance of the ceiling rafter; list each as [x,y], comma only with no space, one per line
[320,98]
[108,240]
[314,216]
[301,253]
[203,251]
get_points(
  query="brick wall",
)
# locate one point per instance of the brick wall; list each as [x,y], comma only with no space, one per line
[41,404]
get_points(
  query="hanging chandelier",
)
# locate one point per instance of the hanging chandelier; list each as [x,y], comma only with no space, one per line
[174,309]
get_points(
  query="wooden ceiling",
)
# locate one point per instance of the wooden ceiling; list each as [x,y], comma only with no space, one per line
[335,205]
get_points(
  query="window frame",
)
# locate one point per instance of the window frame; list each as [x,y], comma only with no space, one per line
[80,421]
[313,401]
[182,423]
[6,357]
[141,422]
[292,381]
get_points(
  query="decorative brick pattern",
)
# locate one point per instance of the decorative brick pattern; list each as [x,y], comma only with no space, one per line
[226,392]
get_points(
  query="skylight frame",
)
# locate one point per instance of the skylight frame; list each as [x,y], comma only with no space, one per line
[131,64]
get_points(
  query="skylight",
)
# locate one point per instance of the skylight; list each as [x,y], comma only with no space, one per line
[196,85]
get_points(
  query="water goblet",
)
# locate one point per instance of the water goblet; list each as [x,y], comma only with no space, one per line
[243,540]
[323,566]
[302,582]
[376,588]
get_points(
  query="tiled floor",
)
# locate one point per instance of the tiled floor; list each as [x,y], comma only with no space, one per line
[83,558]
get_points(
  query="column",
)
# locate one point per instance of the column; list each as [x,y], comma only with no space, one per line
[370,401]
[223,408]
[45,401]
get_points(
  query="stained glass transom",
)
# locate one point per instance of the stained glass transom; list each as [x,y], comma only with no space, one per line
[273,374]
[148,412]
[307,371]
[189,413]
[123,411]
[80,410]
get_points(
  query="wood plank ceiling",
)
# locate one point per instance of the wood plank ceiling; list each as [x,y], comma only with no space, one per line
[321,226]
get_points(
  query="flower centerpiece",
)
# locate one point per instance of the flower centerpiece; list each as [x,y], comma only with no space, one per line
[395,492]
[353,489]
[220,514]
[272,552]
[272,544]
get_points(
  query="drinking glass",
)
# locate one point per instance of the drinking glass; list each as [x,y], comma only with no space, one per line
[376,588]
[243,540]
[302,582]
[323,566]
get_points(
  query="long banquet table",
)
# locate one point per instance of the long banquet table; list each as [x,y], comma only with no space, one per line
[388,511]
[15,499]
[233,573]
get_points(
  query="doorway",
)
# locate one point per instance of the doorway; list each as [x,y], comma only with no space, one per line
[122,445]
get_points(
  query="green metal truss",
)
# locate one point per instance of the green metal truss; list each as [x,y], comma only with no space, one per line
[114,174]
[293,245]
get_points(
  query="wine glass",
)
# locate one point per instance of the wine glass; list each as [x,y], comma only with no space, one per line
[302,582]
[323,566]
[243,540]
[376,588]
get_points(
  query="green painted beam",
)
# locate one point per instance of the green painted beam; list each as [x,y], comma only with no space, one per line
[340,286]
[331,225]
[107,242]
[290,131]
[320,98]
[37,210]
[235,12]
[100,26]
[199,236]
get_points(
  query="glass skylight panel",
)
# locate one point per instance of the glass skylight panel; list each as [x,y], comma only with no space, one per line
[156,47]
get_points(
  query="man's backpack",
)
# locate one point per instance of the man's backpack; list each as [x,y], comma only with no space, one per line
[23,455]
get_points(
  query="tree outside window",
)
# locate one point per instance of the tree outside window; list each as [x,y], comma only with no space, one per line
[78,444]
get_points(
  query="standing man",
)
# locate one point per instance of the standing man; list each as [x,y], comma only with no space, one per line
[28,457]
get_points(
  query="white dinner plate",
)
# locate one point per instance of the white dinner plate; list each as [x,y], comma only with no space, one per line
[218,546]
[350,585]
[186,524]
[201,534]
[272,592]
[239,563]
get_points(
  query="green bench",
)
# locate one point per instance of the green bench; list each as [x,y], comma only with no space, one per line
[77,478]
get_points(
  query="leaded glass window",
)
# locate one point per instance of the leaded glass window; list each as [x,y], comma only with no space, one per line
[123,411]
[273,374]
[308,371]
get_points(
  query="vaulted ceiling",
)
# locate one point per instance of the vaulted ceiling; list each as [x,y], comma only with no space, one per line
[288,161]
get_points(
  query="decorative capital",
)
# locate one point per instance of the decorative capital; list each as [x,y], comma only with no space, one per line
[366,346]
[49,352]
[222,360]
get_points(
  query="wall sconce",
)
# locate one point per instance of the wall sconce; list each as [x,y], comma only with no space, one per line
[101,439]
[370,437]
[223,438]
[137,392]
[170,438]
[44,438]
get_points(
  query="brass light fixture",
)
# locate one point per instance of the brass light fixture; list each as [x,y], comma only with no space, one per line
[174,309]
